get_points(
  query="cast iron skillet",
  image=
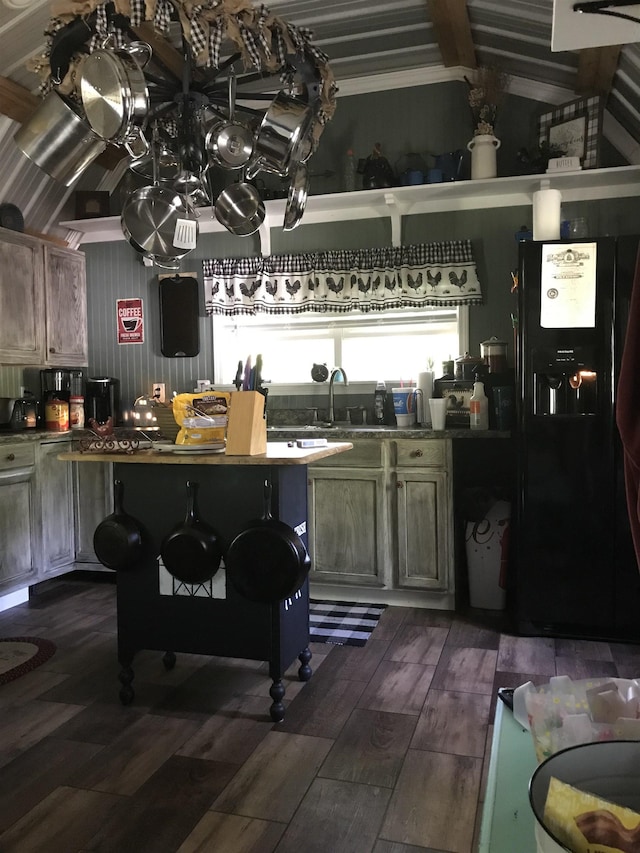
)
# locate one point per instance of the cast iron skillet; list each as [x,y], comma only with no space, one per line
[268,561]
[118,540]
[192,551]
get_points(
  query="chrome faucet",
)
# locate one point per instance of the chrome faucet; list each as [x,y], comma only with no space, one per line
[337,374]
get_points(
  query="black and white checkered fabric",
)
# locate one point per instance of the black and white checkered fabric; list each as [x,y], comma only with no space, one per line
[378,279]
[342,623]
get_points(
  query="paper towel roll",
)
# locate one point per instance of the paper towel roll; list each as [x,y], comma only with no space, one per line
[425,384]
[546,214]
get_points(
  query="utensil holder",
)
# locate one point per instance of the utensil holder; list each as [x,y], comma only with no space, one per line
[247,425]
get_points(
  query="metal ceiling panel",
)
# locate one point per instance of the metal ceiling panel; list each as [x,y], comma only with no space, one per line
[364,39]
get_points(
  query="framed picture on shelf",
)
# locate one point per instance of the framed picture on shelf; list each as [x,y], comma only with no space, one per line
[575,128]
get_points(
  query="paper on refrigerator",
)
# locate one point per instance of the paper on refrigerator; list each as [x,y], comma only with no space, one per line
[568,286]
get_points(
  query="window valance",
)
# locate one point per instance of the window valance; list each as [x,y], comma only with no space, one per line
[425,274]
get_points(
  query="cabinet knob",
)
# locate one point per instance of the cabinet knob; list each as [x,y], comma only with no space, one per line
[416,454]
[399,485]
[11,457]
[52,349]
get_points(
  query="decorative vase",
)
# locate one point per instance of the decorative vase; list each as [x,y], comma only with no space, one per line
[483,149]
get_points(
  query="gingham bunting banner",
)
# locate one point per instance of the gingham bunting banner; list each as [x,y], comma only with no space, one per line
[198,32]
[215,41]
[415,276]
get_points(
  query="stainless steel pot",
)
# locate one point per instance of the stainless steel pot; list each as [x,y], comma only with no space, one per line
[240,209]
[149,219]
[230,143]
[297,198]
[115,96]
[282,136]
[59,140]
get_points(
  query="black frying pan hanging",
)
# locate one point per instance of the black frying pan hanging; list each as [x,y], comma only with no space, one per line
[118,540]
[192,551]
[268,561]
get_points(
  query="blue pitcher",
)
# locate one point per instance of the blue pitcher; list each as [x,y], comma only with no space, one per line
[449,164]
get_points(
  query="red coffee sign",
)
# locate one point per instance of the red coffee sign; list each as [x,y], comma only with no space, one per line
[130,319]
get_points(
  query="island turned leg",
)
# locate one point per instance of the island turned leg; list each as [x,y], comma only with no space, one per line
[277,691]
[304,671]
[125,677]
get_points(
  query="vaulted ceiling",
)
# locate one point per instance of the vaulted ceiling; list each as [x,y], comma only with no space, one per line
[370,44]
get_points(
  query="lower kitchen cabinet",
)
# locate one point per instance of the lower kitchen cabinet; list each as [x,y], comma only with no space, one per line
[18,517]
[93,495]
[348,521]
[55,486]
[49,510]
[382,527]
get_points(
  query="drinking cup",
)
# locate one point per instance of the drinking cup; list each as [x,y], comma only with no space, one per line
[404,405]
[438,407]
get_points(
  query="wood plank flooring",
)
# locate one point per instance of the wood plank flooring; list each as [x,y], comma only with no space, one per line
[385,750]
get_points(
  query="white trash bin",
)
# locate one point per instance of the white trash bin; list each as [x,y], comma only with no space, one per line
[487,547]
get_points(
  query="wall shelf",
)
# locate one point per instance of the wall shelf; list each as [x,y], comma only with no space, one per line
[396,202]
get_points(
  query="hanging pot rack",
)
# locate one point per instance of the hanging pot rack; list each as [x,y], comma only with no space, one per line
[194,51]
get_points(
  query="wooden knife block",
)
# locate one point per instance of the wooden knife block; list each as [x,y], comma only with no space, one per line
[247,425]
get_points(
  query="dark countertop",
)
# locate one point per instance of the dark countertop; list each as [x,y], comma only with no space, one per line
[352,433]
[39,435]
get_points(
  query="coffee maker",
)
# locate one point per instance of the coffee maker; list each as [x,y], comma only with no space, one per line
[102,400]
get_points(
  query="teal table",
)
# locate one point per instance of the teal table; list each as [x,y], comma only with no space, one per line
[507,819]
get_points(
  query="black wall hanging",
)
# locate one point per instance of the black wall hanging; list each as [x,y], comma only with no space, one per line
[179,330]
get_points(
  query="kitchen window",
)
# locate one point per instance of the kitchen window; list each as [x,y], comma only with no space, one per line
[389,345]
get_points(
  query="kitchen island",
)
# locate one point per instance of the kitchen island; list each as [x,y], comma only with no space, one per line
[156,611]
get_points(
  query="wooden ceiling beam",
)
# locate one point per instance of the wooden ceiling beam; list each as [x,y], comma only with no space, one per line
[596,69]
[19,104]
[16,102]
[450,19]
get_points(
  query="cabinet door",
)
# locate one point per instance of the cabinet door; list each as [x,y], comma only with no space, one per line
[66,323]
[93,502]
[424,522]
[18,556]
[56,505]
[348,526]
[21,299]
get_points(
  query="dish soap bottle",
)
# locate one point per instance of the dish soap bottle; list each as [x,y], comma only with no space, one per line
[378,403]
[479,407]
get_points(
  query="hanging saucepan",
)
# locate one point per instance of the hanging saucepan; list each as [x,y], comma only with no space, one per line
[151,218]
[282,136]
[240,209]
[268,561]
[192,551]
[58,139]
[230,144]
[114,94]
[297,198]
[118,540]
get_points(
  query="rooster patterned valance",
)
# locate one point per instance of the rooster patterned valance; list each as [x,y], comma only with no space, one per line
[426,274]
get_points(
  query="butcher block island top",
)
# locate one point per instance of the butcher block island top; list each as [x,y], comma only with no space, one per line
[278,453]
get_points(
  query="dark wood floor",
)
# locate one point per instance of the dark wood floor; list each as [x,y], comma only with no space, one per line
[384,750]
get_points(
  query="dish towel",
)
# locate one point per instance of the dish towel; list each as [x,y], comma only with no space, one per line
[628,410]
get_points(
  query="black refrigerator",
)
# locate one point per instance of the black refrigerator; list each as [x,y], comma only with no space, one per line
[574,566]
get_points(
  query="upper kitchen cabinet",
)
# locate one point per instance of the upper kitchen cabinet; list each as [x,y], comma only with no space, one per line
[43,302]
[22,329]
[66,308]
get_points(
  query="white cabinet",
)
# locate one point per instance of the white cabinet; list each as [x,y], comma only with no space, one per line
[93,494]
[66,307]
[43,307]
[18,517]
[21,299]
[55,487]
[348,524]
[423,514]
[381,523]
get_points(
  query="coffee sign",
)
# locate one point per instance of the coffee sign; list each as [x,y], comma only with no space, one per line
[130,321]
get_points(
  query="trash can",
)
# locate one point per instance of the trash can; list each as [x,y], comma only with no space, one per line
[487,548]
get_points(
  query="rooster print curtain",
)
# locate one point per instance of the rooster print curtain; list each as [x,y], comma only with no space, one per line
[425,274]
